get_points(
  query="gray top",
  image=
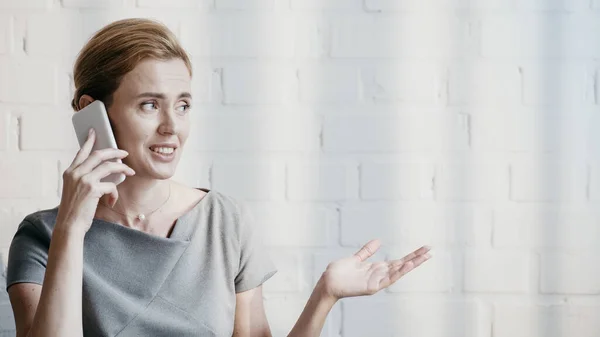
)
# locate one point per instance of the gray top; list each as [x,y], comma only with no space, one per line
[138,284]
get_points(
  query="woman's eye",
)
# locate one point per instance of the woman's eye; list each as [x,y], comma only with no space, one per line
[183,108]
[148,105]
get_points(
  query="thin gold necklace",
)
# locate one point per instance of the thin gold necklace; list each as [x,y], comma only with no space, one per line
[141,216]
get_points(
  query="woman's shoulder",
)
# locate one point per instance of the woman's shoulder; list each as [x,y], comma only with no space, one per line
[202,196]
[40,222]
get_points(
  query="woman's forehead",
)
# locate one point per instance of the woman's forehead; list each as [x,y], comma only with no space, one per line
[169,78]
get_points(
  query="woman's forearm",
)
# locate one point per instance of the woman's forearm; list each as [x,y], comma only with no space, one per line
[315,312]
[59,311]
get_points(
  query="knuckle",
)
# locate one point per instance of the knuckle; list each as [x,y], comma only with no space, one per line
[86,180]
[75,175]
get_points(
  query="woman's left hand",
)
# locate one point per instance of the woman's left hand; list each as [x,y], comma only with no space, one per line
[353,276]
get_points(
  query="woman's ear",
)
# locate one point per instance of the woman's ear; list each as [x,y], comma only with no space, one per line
[84,100]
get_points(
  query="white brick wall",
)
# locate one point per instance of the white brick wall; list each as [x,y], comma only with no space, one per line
[469,125]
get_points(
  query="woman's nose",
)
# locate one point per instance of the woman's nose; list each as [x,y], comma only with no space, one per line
[168,123]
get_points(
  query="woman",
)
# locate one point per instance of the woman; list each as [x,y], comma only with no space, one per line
[159,258]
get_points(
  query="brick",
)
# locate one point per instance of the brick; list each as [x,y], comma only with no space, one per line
[239,35]
[322,181]
[244,4]
[20,78]
[250,84]
[313,37]
[551,5]
[28,178]
[94,20]
[254,180]
[193,169]
[484,84]
[410,82]
[543,181]
[283,311]
[328,84]
[255,130]
[9,222]
[4,130]
[295,225]
[364,316]
[58,34]
[546,226]
[205,82]
[395,133]
[435,275]
[498,271]
[594,184]
[84,4]
[39,131]
[381,180]
[473,182]
[326,4]
[533,130]
[4,255]
[174,4]
[414,224]
[597,86]
[6,34]
[592,138]
[558,84]
[414,5]
[569,273]
[540,36]
[291,272]
[439,36]
[523,320]
[14,210]
[25,4]
[490,6]
[7,322]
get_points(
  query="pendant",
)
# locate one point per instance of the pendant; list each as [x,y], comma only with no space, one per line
[141,217]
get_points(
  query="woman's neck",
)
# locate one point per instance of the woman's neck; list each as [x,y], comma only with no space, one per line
[137,195]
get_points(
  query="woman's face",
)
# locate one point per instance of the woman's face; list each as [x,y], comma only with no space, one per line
[150,116]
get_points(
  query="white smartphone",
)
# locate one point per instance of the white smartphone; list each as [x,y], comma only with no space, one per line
[94,116]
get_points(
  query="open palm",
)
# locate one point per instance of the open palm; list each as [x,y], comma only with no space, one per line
[353,276]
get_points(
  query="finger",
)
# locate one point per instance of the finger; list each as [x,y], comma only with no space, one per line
[85,149]
[419,252]
[109,167]
[398,272]
[100,156]
[111,189]
[368,250]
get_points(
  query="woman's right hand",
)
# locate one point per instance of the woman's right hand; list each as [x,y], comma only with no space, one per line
[82,188]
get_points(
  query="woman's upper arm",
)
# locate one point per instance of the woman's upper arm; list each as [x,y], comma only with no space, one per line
[250,316]
[24,298]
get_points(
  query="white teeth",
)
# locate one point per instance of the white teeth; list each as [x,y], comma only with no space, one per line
[165,150]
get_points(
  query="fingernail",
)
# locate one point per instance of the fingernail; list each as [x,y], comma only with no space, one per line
[90,131]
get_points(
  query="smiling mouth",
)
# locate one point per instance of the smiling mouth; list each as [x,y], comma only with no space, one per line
[163,150]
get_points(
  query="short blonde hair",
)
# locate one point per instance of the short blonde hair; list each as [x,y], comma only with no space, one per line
[116,50]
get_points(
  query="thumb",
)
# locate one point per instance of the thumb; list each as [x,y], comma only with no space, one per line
[368,250]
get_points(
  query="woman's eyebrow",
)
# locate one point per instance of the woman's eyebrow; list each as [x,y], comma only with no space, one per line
[163,96]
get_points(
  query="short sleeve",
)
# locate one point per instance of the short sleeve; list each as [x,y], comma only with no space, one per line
[27,256]
[255,266]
